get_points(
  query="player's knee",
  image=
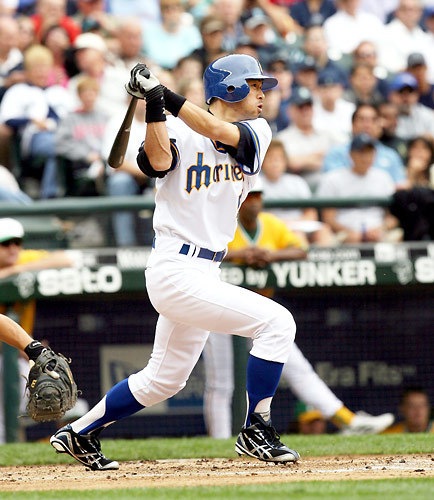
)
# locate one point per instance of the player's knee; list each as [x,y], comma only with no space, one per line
[284,326]
[274,342]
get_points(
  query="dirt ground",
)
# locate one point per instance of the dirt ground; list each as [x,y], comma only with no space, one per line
[213,472]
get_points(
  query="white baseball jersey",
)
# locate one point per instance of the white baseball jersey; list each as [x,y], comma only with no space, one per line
[198,201]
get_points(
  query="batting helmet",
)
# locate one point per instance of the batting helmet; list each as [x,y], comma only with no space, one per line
[226,78]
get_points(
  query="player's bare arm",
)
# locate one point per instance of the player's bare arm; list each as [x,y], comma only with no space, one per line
[13,334]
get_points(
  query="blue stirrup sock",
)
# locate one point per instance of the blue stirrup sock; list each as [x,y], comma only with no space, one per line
[262,380]
[118,403]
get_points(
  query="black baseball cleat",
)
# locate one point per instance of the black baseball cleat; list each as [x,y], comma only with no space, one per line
[260,440]
[85,448]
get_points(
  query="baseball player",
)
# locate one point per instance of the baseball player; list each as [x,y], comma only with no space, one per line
[261,238]
[205,164]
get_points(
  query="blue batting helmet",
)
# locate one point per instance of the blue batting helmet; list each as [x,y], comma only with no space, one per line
[226,77]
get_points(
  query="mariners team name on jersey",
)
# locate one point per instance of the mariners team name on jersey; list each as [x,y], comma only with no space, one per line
[203,175]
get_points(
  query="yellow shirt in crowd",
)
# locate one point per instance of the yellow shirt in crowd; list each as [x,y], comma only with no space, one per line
[26,310]
[272,234]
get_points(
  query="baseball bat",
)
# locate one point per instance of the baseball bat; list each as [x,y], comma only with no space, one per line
[119,148]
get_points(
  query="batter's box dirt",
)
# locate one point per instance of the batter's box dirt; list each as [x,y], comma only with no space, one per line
[213,472]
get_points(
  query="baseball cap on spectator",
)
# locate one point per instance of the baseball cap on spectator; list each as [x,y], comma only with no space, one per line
[278,57]
[403,80]
[90,41]
[307,64]
[429,11]
[362,141]
[328,77]
[301,96]
[10,228]
[416,59]
[256,20]
[211,24]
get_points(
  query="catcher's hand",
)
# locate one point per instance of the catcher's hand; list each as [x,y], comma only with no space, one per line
[51,386]
[142,81]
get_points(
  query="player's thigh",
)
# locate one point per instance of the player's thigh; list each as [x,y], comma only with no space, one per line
[201,299]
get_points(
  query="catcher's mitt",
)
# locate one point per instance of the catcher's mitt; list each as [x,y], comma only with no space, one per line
[52,389]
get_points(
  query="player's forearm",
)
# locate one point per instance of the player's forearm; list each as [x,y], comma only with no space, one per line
[206,124]
[13,334]
[53,260]
[157,146]
[291,253]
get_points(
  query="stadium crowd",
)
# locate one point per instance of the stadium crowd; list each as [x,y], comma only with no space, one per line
[352,115]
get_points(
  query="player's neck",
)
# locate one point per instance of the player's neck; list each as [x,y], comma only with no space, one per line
[224,112]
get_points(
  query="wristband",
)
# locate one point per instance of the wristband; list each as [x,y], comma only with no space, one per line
[155,105]
[34,349]
[173,101]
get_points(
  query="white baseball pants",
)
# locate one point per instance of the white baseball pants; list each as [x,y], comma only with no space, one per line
[192,301]
[219,375]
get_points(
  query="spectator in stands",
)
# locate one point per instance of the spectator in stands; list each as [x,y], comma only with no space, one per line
[363,86]
[315,45]
[11,72]
[128,179]
[32,110]
[331,111]
[129,43]
[192,89]
[414,118]
[362,180]
[50,13]
[91,14]
[415,409]
[388,114]
[211,31]
[279,184]
[57,41]
[306,74]
[230,11]
[11,58]
[366,53]
[305,145]
[279,18]
[26,33]
[271,111]
[258,29]
[187,67]
[416,65]
[79,144]
[310,421]
[167,41]
[349,26]
[420,163]
[10,189]
[366,120]
[403,35]
[304,13]
[279,67]
[90,50]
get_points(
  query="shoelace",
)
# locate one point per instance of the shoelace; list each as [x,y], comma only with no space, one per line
[272,435]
